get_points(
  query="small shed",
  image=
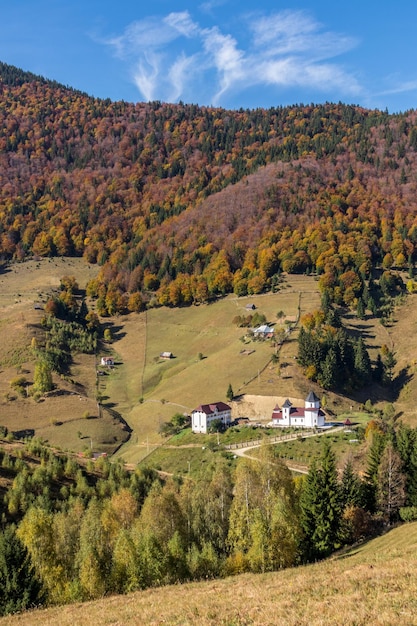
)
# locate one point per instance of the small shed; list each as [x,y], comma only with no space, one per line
[250,307]
[166,355]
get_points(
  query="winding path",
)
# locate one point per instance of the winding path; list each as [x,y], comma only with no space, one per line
[242,448]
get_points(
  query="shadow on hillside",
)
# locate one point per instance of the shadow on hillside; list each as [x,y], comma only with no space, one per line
[116,331]
[4,269]
[26,433]
[383,393]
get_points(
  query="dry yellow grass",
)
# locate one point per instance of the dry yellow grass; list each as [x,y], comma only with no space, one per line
[374,585]
[57,419]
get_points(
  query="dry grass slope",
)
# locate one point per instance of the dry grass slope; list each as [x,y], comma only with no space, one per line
[373,585]
[60,417]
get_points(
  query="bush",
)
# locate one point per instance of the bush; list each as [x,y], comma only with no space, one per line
[408,513]
[19,385]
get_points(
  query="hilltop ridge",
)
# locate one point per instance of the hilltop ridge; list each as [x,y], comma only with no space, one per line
[179,204]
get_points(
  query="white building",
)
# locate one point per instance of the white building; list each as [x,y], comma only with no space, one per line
[264,331]
[310,416]
[204,414]
[107,360]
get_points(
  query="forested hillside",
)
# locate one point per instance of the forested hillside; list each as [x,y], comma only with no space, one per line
[180,203]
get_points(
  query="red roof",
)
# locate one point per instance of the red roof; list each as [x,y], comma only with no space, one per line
[294,412]
[209,409]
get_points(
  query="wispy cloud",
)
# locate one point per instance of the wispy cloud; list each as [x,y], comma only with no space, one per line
[207,7]
[168,56]
[404,87]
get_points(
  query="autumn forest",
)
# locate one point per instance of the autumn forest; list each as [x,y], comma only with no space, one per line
[179,204]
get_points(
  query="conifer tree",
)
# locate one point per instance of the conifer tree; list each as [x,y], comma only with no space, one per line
[406,445]
[321,507]
[329,371]
[371,476]
[360,309]
[350,487]
[362,362]
[20,589]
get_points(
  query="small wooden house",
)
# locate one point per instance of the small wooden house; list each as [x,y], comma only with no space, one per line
[264,331]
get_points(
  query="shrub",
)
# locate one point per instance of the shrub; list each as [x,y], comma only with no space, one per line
[408,513]
[19,384]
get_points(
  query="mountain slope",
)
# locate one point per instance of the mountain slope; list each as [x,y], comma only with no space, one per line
[206,200]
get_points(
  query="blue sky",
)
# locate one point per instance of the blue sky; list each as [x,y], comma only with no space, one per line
[228,53]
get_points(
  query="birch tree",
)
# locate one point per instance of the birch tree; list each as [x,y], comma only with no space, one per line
[391,493]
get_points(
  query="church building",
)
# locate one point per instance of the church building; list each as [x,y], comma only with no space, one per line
[309,416]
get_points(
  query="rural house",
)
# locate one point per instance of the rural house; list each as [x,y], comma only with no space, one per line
[309,416]
[166,355]
[204,414]
[107,360]
[264,331]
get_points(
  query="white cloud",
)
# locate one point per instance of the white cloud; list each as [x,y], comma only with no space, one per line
[182,23]
[288,33]
[286,49]
[181,71]
[142,36]
[225,58]
[207,7]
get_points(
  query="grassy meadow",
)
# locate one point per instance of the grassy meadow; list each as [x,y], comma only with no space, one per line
[210,351]
[67,417]
[150,390]
[375,583]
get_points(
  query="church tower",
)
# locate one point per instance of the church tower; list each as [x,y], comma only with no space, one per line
[312,412]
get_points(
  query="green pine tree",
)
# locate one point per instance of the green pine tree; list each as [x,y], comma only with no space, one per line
[376,449]
[363,367]
[321,507]
[351,486]
[20,588]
